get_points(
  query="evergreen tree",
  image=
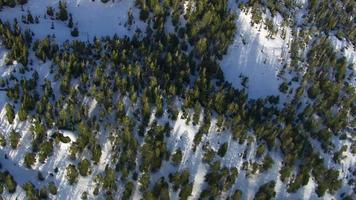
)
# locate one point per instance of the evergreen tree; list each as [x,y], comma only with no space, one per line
[30,17]
[144,181]
[96,153]
[9,181]
[46,148]
[14,139]
[196,116]
[237,195]
[128,191]
[63,13]
[31,191]
[43,193]
[266,191]
[75,32]
[70,22]
[83,167]
[177,157]
[30,159]
[72,174]
[109,179]
[2,141]
[223,149]
[50,11]
[10,114]
[22,114]
[186,191]
[52,188]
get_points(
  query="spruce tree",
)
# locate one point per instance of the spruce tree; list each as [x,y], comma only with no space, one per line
[10,114]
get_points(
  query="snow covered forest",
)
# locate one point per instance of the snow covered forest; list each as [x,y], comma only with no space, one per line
[177,99]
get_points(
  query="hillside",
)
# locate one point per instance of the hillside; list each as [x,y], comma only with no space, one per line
[163,99]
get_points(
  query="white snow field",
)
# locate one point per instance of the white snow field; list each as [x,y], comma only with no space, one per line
[260,59]
[255,56]
[93,18]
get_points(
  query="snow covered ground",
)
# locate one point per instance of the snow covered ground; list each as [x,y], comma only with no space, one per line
[93,18]
[251,54]
[255,56]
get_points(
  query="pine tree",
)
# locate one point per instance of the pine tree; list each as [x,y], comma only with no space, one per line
[186,191]
[266,191]
[109,179]
[10,114]
[72,174]
[130,17]
[128,191]
[260,150]
[144,181]
[237,195]
[83,167]
[22,114]
[14,139]
[10,183]
[63,13]
[223,149]
[177,157]
[46,148]
[196,116]
[70,22]
[75,32]
[2,141]
[31,191]
[29,159]
[30,17]
[50,11]
[96,153]
[43,193]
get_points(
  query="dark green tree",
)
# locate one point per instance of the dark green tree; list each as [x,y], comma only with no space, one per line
[83,167]
[10,113]
[72,174]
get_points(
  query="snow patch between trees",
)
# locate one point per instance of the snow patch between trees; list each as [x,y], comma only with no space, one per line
[255,56]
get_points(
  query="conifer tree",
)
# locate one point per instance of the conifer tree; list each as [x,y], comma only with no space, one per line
[72,174]
[10,114]
[63,13]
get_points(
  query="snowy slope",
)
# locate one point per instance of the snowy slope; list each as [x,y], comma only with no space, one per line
[260,59]
[255,56]
[93,18]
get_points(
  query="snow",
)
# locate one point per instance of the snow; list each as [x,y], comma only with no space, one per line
[348,50]
[93,18]
[60,159]
[260,59]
